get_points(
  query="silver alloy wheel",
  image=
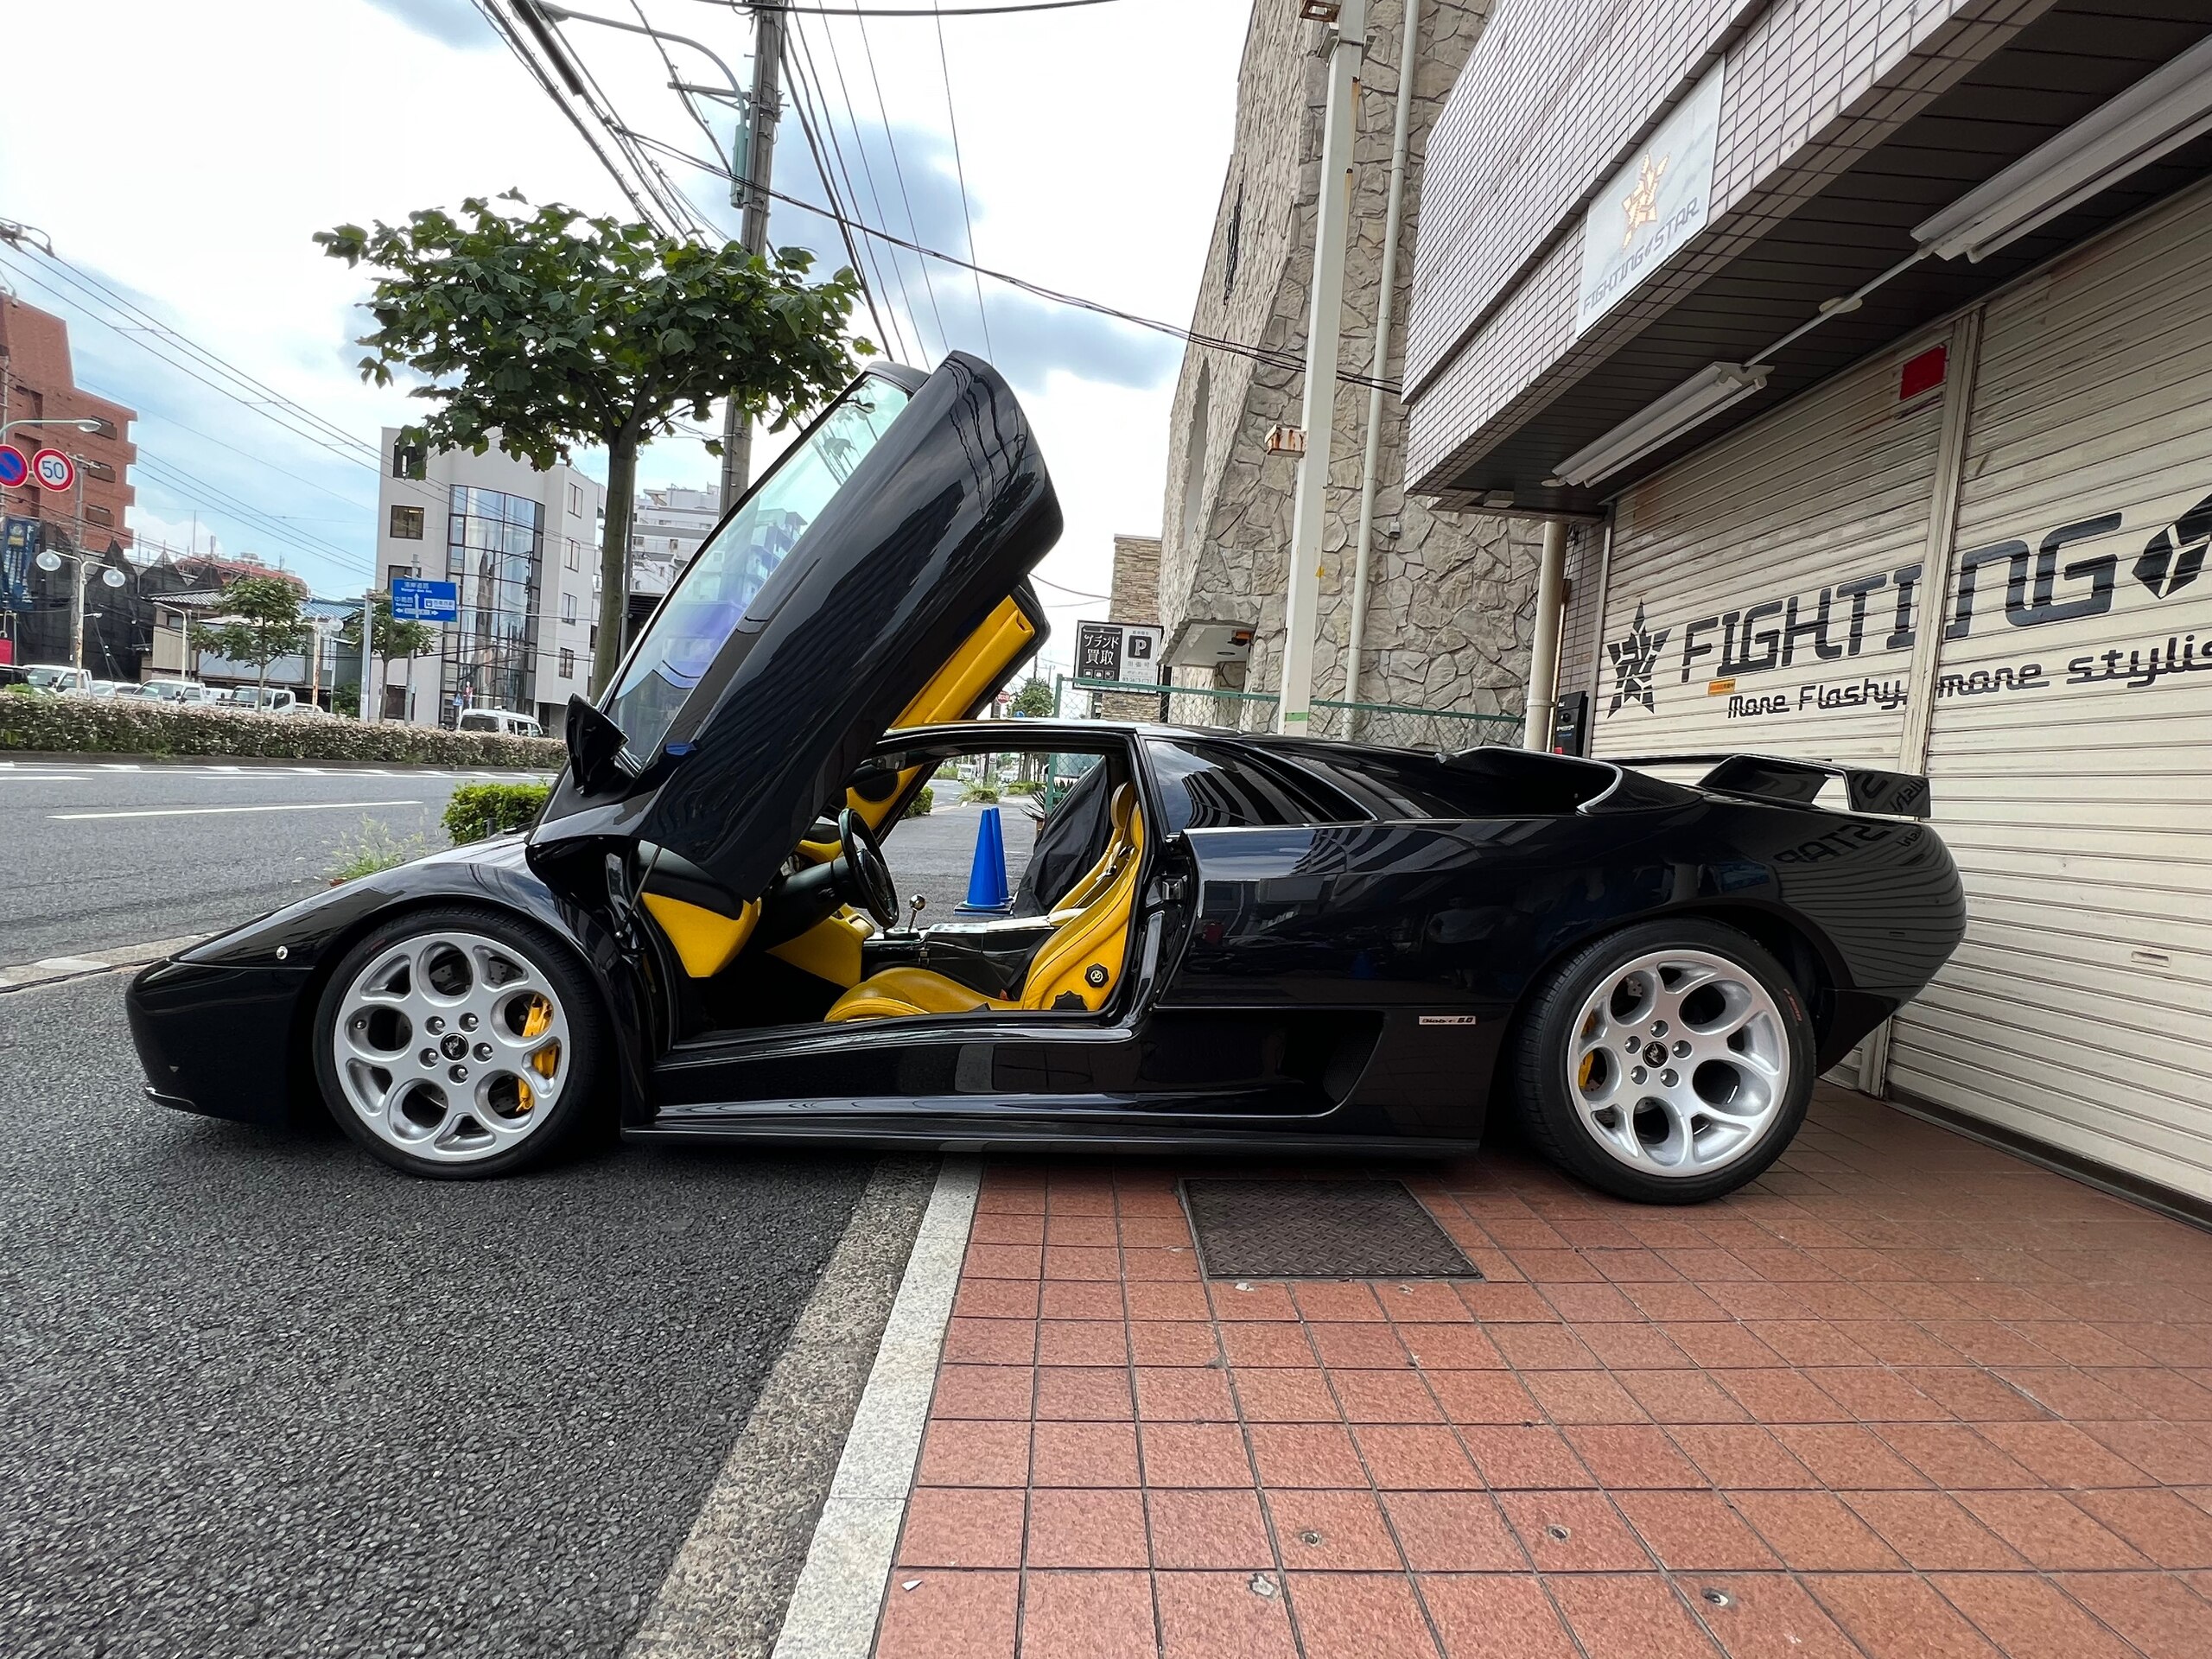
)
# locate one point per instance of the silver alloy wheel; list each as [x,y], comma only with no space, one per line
[452,1047]
[1678,1064]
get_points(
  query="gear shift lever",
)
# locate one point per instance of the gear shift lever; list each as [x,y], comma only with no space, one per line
[914,916]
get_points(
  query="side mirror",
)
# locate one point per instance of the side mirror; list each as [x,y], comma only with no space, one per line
[595,744]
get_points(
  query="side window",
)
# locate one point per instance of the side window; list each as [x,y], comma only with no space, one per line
[1206,787]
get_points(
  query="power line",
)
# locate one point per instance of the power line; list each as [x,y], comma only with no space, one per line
[830,189]
[868,172]
[909,11]
[1210,342]
[898,173]
[960,170]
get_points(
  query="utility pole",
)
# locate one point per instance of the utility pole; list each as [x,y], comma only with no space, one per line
[749,191]
[1331,233]
[77,540]
[367,711]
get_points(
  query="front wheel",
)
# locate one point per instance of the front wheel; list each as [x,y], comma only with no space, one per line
[457,1042]
[1669,1063]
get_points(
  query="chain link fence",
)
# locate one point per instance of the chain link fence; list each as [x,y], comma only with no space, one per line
[1386,724]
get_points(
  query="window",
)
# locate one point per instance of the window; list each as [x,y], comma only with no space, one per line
[1206,787]
[570,560]
[567,607]
[396,572]
[1194,453]
[1408,786]
[407,524]
[1234,240]
[568,664]
[97,515]
[701,611]
[407,459]
[575,500]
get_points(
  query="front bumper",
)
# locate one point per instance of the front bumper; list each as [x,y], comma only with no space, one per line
[219,1040]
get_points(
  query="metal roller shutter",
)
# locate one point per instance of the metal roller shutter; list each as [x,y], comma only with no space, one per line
[2071,739]
[1754,593]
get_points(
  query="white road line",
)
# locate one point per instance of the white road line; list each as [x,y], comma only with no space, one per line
[833,1610]
[201,812]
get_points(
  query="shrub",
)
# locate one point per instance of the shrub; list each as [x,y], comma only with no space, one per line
[984,792]
[922,805]
[1024,786]
[118,725]
[375,848]
[479,811]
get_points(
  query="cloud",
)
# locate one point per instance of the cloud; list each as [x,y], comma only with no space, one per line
[449,23]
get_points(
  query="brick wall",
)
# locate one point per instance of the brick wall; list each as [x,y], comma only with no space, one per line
[34,362]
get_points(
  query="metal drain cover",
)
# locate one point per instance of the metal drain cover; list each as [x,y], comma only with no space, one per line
[1319,1229]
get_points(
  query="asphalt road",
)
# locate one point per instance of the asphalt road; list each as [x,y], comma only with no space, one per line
[264,1396]
[933,856]
[100,855]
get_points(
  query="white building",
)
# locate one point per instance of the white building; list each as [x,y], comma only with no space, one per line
[667,524]
[524,545]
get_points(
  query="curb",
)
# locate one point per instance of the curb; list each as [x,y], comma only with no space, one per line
[724,1593]
[52,969]
[840,1594]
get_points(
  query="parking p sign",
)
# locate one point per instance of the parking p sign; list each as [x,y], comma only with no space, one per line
[416,598]
[1127,653]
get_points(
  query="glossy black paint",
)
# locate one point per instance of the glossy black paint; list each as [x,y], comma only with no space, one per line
[1353,979]
[938,523]
[222,1028]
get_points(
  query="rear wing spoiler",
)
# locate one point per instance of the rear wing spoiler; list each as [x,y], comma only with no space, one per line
[1798,782]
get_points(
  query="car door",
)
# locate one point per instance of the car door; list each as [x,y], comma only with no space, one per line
[822,608]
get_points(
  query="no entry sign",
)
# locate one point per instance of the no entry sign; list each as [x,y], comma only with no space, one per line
[54,470]
[15,467]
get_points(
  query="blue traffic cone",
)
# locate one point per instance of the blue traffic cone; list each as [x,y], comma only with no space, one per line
[986,887]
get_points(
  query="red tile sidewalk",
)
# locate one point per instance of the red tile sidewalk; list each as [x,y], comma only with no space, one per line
[1904,1396]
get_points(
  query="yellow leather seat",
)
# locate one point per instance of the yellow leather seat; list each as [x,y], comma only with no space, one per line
[1082,959]
[1120,848]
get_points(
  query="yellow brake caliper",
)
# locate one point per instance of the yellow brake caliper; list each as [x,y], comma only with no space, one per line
[535,1023]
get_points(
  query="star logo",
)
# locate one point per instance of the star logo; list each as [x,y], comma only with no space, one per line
[1642,204]
[1636,661]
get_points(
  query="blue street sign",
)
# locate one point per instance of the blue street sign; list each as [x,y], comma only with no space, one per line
[416,598]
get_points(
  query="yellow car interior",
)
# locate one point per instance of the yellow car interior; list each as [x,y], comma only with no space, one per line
[1077,967]
[1085,939]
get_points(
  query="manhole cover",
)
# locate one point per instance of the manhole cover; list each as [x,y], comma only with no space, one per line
[1319,1229]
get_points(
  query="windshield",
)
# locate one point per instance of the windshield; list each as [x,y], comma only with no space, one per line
[697,617]
[43,678]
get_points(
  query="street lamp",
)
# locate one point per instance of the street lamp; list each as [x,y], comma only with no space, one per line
[51,561]
[83,424]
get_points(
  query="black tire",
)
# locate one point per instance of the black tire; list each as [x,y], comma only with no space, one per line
[1544,1071]
[584,1044]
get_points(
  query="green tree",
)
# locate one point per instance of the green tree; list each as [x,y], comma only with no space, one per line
[257,621]
[1034,700]
[389,640]
[550,329]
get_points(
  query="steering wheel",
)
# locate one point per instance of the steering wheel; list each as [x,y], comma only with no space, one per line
[863,876]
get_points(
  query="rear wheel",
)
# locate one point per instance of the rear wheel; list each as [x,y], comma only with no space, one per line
[457,1042]
[1670,1063]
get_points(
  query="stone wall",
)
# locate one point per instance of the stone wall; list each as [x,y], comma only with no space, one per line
[1451,595]
[1134,598]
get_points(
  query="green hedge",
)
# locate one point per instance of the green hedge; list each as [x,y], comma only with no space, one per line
[111,725]
[477,812]
[987,794]
[923,805]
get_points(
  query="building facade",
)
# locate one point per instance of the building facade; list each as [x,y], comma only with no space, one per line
[38,382]
[1872,336]
[669,524]
[522,545]
[1450,593]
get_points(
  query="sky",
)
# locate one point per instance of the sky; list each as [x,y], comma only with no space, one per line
[219,136]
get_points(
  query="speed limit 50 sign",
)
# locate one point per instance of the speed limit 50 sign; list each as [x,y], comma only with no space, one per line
[53,469]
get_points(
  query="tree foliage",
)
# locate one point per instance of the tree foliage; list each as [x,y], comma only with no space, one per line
[259,621]
[1034,700]
[548,330]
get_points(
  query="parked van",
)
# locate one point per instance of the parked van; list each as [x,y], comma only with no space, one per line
[271,699]
[504,722]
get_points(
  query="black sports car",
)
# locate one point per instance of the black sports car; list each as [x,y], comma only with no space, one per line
[1225,940]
